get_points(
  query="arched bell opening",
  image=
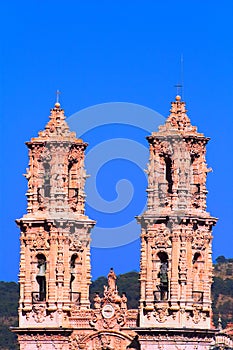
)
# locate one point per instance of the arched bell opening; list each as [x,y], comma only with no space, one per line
[72,270]
[41,279]
[197,272]
[74,294]
[162,292]
[168,173]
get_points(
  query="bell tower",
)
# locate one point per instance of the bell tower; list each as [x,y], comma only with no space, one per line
[176,235]
[55,237]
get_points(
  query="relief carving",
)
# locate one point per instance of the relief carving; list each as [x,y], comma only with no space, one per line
[196,315]
[104,343]
[41,239]
[183,265]
[162,237]
[161,313]
[75,155]
[111,310]
[76,244]
[200,238]
[39,313]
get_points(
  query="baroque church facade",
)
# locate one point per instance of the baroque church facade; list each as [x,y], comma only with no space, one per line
[176,256]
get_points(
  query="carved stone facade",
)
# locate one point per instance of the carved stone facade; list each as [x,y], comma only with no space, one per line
[176,255]
[110,321]
[55,232]
[55,253]
[176,258]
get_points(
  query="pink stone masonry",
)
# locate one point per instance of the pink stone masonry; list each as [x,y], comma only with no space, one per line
[176,255]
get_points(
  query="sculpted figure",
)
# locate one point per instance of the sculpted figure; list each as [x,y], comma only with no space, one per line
[111,280]
[124,301]
[97,301]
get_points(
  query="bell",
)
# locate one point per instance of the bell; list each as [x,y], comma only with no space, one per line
[41,271]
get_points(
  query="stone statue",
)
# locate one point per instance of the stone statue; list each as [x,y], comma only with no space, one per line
[97,301]
[112,280]
[123,301]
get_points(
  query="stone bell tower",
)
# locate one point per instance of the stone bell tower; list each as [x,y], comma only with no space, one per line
[55,238]
[176,235]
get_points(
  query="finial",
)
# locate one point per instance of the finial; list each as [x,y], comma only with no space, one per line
[57,104]
[178,89]
[219,322]
[180,86]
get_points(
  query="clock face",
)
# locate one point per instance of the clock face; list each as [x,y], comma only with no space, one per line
[108,311]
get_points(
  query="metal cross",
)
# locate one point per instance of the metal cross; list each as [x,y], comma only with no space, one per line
[178,89]
[57,94]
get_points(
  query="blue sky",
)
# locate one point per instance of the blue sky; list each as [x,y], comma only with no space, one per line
[114,51]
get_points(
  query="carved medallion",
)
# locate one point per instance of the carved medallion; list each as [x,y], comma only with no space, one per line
[108,311]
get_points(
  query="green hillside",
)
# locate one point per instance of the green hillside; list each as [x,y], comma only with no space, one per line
[9,294]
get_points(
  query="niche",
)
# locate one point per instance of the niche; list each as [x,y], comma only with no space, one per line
[40,277]
[75,295]
[72,270]
[47,180]
[198,270]
[72,184]
[168,173]
[163,275]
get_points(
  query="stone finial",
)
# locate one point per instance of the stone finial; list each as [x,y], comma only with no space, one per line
[57,105]
[178,118]
[178,121]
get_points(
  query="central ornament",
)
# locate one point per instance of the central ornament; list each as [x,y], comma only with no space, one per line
[108,311]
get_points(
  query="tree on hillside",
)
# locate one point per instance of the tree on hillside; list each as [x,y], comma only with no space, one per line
[221,259]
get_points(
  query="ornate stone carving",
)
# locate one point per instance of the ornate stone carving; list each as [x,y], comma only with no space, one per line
[41,239]
[171,244]
[105,343]
[75,243]
[161,313]
[177,231]
[76,154]
[199,240]
[54,230]
[162,237]
[60,268]
[97,301]
[196,314]
[39,313]
[110,310]
[183,265]
[45,155]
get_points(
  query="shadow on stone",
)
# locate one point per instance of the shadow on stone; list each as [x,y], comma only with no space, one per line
[134,344]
